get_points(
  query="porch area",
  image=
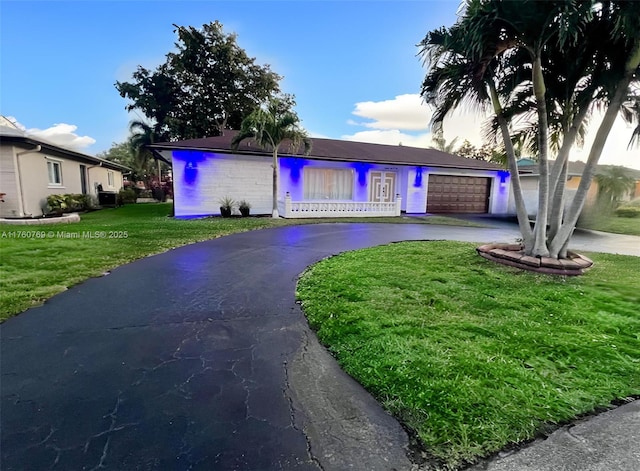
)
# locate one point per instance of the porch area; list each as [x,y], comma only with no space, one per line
[338,209]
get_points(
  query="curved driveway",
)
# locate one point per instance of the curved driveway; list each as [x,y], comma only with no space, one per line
[199,358]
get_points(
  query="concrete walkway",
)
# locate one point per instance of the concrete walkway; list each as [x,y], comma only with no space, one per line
[199,358]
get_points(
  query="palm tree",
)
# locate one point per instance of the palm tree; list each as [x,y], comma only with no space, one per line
[457,76]
[271,125]
[442,145]
[614,184]
[631,114]
[142,135]
[514,50]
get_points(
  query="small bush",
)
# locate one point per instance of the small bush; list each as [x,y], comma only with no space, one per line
[126,196]
[159,194]
[67,203]
[628,212]
[89,201]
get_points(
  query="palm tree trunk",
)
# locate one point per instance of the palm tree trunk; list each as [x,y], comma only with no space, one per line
[558,176]
[564,234]
[521,209]
[567,144]
[275,214]
[540,230]
[557,194]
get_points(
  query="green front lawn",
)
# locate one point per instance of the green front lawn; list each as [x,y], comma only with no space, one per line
[615,224]
[476,356]
[39,261]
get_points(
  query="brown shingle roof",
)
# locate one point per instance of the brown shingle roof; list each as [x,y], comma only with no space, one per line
[333,149]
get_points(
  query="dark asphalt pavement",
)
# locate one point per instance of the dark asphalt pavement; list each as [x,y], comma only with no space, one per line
[198,358]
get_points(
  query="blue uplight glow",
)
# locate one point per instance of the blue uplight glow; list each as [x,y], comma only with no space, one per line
[418,180]
[362,170]
[295,165]
[190,172]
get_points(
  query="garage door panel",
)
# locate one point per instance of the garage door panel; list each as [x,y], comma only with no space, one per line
[458,194]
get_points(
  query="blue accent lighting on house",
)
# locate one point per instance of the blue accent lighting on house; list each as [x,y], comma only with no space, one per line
[418,180]
[362,169]
[190,172]
[294,164]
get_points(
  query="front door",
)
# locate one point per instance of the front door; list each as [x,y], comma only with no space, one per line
[383,187]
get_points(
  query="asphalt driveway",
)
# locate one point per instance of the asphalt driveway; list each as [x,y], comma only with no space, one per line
[199,358]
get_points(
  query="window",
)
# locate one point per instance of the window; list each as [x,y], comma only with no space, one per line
[55,172]
[328,184]
[110,179]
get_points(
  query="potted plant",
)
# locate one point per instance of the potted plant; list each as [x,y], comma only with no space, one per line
[244,207]
[226,206]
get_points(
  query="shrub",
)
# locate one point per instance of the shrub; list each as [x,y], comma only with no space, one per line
[89,202]
[67,203]
[126,196]
[628,212]
[159,194]
[244,207]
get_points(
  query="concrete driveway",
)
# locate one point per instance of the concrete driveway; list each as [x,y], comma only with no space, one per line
[199,358]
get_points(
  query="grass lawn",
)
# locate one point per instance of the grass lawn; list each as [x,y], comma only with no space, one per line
[34,269]
[476,356]
[602,218]
[615,224]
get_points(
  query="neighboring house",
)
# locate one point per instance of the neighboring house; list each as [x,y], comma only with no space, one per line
[338,178]
[529,178]
[32,169]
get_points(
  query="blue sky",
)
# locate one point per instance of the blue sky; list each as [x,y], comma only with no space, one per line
[351,64]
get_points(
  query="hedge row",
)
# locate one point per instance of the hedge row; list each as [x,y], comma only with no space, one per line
[628,211]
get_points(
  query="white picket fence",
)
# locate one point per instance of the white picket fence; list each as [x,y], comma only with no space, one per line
[338,209]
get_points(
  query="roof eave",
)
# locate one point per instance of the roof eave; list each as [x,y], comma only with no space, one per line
[63,152]
[317,157]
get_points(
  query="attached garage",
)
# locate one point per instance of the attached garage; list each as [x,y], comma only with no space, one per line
[458,194]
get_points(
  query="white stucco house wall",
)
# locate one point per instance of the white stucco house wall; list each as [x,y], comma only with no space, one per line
[31,169]
[337,178]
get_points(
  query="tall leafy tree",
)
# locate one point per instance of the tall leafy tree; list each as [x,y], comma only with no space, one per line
[271,126]
[515,54]
[207,84]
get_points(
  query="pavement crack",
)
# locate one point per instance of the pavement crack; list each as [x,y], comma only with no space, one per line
[113,415]
[292,409]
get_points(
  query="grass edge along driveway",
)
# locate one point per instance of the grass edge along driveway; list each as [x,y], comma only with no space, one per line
[476,356]
[39,261]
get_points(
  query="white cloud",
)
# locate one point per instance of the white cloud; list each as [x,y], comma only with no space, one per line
[397,120]
[63,135]
[391,137]
[406,112]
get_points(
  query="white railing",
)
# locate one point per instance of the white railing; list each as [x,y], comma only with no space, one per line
[337,209]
